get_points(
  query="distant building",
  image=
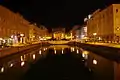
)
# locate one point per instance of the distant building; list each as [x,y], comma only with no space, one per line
[105,24]
[79,32]
[75,31]
[58,33]
[83,32]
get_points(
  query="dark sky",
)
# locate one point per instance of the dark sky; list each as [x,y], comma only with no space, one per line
[55,13]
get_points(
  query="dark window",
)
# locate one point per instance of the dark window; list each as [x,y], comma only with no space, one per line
[116,10]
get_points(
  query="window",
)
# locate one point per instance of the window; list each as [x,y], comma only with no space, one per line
[117,28]
[116,10]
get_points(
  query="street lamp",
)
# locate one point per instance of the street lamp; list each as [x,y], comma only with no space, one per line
[94,34]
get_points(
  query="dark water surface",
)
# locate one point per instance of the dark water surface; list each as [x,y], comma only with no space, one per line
[58,62]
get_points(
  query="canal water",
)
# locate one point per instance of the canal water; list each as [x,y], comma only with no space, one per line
[58,62]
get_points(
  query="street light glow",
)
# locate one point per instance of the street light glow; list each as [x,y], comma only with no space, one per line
[33,56]
[40,52]
[62,51]
[22,63]
[22,35]
[77,51]
[94,34]
[2,69]
[94,61]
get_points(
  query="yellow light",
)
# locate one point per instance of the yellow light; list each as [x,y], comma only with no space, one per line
[22,35]
[44,49]
[21,58]
[33,36]
[77,51]
[33,56]
[73,49]
[48,37]
[11,65]
[85,52]
[55,51]
[94,34]
[22,63]
[83,55]
[62,51]
[40,52]
[54,35]
[1,39]
[2,69]
[94,61]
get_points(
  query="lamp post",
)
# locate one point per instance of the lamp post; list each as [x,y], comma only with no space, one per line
[94,34]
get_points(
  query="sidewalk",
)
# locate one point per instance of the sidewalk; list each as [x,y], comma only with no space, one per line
[105,44]
[16,45]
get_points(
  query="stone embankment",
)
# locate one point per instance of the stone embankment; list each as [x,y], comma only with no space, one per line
[17,49]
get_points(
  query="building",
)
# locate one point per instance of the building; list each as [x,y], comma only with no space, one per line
[58,33]
[15,29]
[105,24]
[75,31]
[83,32]
[37,33]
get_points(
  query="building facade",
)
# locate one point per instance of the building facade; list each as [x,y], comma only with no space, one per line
[105,24]
[15,29]
[58,33]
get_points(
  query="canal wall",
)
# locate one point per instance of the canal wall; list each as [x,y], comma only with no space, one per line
[16,50]
[107,52]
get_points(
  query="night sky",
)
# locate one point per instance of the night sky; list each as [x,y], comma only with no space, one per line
[56,13]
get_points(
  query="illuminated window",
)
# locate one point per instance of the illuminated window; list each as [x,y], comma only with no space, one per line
[118,28]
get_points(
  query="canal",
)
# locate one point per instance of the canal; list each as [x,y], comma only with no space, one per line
[58,62]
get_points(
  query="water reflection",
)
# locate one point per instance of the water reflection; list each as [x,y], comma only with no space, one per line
[2,69]
[44,49]
[77,51]
[22,63]
[40,52]
[85,54]
[62,51]
[94,61]
[100,67]
[33,56]
[11,65]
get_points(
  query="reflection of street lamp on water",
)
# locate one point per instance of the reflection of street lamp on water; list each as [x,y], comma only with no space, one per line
[94,34]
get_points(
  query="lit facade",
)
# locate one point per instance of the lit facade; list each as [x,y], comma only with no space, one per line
[105,23]
[83,32]
[15,29]
[58,33]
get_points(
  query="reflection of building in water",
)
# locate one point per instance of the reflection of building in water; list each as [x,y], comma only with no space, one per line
[58,33]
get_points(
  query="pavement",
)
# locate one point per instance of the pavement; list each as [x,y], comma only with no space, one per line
[105,44]
[25,44]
